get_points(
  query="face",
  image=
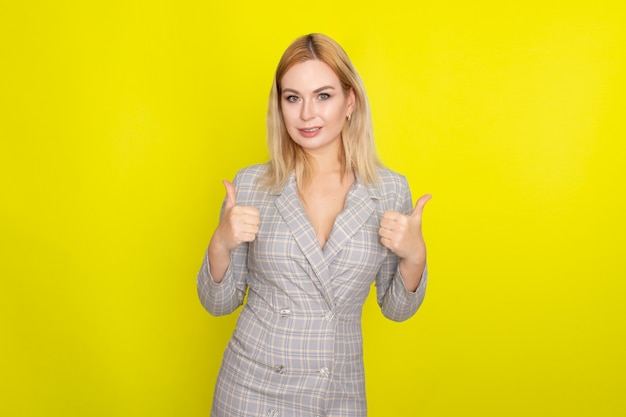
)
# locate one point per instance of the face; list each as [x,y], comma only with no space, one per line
[314,106]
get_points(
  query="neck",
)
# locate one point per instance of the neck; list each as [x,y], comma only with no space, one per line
[325,161]
[324,166]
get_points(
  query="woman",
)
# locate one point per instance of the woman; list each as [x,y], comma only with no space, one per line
[306,234]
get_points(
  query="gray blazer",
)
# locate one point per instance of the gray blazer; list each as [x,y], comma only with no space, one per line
[297,347]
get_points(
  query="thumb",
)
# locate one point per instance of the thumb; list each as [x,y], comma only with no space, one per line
[419,206]
[230,194]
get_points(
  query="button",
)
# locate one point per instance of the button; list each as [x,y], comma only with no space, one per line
[325,372]
[285,312]
[272,412]
[329,316]
[279,369]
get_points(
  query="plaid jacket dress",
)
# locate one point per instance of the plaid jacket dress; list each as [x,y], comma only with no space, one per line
[297,347]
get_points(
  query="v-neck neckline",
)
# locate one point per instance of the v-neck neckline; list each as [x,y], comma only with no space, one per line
[302,203]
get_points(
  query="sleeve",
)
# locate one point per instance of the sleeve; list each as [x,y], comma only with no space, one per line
[396,302]
[224,297]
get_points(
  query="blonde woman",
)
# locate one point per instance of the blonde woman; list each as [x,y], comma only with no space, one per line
[305,235]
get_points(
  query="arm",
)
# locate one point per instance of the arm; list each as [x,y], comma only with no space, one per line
[401,281]
[224,297]
[222,277]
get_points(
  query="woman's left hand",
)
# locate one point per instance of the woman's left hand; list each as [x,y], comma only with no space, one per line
[402,234]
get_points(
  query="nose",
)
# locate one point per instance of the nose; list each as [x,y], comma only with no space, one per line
[307,111]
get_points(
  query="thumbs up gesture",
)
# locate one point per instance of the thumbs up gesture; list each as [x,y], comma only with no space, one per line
[238,224]
[402,234]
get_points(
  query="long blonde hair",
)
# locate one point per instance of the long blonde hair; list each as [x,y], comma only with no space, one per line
[358,151]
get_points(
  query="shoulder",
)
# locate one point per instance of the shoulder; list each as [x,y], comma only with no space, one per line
[248,182]
[251,173]
[391,184]
[249,176]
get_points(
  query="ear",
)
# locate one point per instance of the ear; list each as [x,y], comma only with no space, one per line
[351,100]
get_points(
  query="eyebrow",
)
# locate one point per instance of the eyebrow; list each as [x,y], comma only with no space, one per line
[318,90]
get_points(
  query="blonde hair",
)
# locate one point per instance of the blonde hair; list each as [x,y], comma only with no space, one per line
[358,151]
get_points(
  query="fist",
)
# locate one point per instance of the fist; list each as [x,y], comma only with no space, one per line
[238,224]
[402,234]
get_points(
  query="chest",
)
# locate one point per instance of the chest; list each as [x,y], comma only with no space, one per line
[287,247]
[323,202]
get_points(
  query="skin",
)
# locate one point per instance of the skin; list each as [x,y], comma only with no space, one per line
[315,108]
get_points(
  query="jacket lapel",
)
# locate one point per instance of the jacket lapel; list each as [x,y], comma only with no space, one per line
[358,208]
[289,206]
[360,203]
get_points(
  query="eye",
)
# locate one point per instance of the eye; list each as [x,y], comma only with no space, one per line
[324,96]
[292,99]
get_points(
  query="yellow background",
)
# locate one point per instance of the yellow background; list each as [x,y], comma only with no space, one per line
[120,119]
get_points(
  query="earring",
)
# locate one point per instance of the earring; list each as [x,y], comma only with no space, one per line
[348,116]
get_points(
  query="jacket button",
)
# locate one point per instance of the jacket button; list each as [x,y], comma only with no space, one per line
[272,412]
[285,312]
[325,372]
[329,315]
[279,369]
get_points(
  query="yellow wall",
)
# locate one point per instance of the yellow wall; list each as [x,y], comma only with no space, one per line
[119,119]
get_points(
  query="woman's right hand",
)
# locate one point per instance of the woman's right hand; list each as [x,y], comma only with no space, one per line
[238,224]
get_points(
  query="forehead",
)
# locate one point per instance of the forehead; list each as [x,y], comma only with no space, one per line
[309,75]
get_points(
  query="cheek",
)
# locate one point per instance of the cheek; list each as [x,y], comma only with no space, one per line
[336,110]
[287,119]
[290,114]
[335,114]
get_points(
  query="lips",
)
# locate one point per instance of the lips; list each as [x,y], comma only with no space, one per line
[310,131]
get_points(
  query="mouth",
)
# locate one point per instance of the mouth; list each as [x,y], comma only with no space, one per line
[310,132]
